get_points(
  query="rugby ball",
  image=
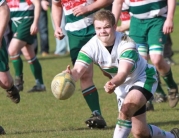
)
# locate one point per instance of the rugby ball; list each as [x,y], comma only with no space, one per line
[63,86]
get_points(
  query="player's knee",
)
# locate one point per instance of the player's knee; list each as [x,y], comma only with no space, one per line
[125,112]
[6,84]
[157,60]
[14,56]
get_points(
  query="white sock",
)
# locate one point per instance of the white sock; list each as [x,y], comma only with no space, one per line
[156,132]
[123,128]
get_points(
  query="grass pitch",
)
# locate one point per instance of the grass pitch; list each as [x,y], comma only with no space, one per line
[40,115]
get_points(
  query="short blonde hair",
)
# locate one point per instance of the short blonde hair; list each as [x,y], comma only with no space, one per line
[102,15]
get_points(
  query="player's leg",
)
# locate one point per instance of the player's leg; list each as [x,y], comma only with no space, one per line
[159,95]
[21,33]
[29,54]
[140,126]
[91,96]
[168,52]
[89,90]
[132,117]
[14,53]
[6,81]
[133,105]
[156,42]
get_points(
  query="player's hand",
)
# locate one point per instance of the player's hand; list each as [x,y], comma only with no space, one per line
[109,87]
[59,34]
[45,5]
[68,70]
[80,10]
[168,26]
[33,29]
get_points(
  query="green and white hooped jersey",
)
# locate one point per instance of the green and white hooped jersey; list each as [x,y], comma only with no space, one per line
[1,2]
[145,9]
[141,73]
[21,9]
[81,25]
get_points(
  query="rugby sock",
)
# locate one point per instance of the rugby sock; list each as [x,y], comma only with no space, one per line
[156,132]
[36,69]
[91,96]
[168,78]
[123,128]
[17,64]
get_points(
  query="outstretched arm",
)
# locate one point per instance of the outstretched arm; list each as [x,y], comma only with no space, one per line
[124,69]
[77,71]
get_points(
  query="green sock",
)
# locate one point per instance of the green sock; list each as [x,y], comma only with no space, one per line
[36,69]
[91,96]
[159,89]
[18,66]
[168,78]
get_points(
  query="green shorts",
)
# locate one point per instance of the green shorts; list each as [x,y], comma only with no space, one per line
[75,44]
[21,30]
[149,33]
[4,61]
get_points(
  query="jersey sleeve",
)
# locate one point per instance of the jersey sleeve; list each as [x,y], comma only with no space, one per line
[127,51]
[85,56]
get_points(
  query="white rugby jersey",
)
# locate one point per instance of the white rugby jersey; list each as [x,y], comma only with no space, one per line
[95,52]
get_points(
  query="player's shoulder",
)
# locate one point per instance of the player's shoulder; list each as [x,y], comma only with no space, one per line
[127,42]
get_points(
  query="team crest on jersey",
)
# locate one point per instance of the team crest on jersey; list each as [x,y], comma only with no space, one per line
[160,40]
[70,4]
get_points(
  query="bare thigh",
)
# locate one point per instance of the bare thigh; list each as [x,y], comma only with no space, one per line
[133,101]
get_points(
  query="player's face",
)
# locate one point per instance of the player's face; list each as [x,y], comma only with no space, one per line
[105,32]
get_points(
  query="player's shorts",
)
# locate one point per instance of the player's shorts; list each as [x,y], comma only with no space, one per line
[76,43]
[149,33]
[21,30]
[4,66]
